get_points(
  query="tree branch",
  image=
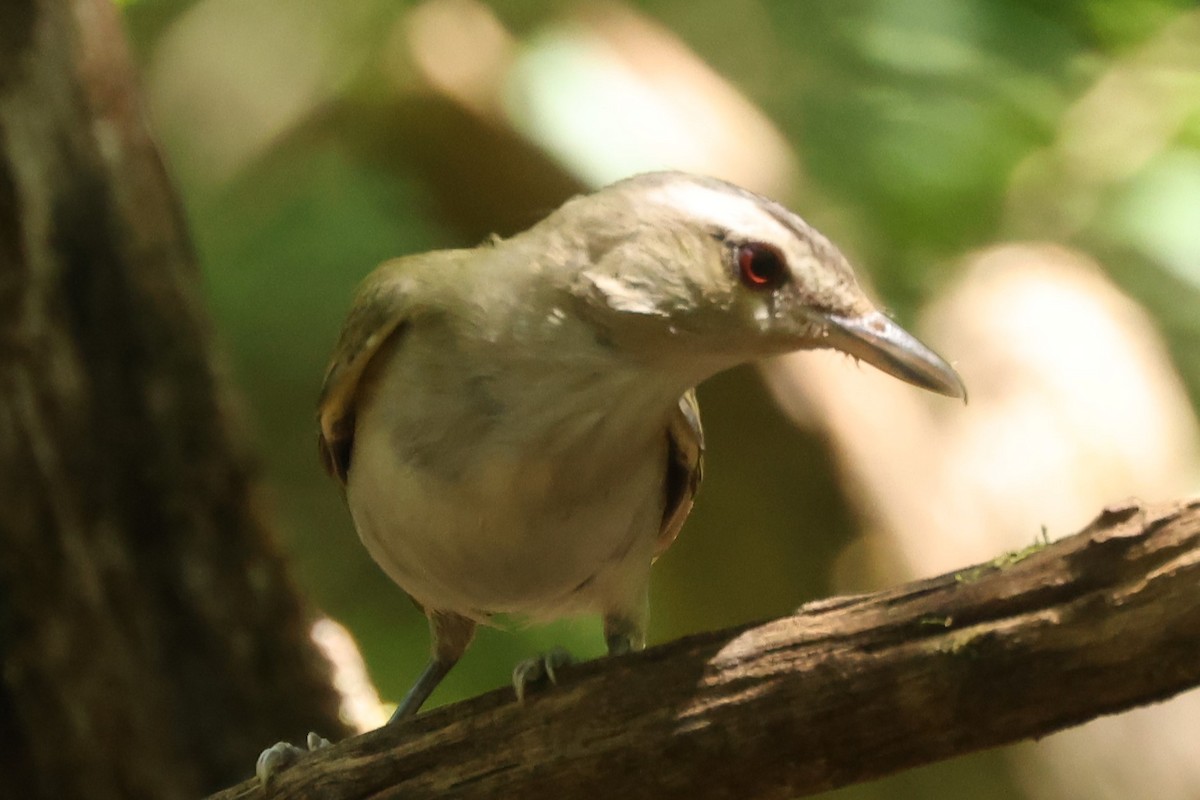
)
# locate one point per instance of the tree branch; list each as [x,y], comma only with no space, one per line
[846,690]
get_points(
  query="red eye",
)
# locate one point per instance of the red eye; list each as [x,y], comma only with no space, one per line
[761,266]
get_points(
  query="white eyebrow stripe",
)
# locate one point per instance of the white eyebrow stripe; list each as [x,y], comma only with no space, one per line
[721,209]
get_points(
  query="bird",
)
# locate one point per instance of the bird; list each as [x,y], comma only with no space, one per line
[515,426]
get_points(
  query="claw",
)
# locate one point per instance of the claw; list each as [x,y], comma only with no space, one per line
[274,759]
[281,755]
[539,667]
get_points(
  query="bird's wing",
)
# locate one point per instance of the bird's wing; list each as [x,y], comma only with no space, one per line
[375,324]
[685,467]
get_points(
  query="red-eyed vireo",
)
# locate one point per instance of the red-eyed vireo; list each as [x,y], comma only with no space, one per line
[514,425]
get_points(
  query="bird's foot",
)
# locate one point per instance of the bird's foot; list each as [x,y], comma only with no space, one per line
[539,668]
[281,755]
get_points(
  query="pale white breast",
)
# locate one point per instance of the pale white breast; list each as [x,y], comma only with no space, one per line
[517,487]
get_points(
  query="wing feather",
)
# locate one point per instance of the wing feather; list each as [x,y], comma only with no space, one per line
[375,323]
[685,467]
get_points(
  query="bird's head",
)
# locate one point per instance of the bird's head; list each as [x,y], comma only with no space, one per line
[698,270]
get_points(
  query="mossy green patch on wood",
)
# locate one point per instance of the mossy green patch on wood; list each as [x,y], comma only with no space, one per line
[1003,560]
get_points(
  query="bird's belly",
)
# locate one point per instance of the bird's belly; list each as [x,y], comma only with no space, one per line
[536,537]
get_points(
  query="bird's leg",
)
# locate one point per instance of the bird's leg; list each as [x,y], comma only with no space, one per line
[624,633]
[625,627]
[430,677]
[451,636]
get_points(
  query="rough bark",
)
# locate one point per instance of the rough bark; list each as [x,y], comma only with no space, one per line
[845,690]
[149,638]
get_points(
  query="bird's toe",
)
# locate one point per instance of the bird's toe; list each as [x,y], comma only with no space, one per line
[539,668]
[281,755]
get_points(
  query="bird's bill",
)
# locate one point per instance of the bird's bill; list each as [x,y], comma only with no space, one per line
[886,346]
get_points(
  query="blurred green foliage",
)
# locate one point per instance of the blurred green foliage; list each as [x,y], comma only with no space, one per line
[910,120]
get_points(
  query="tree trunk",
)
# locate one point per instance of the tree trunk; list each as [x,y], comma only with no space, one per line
[149,636]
